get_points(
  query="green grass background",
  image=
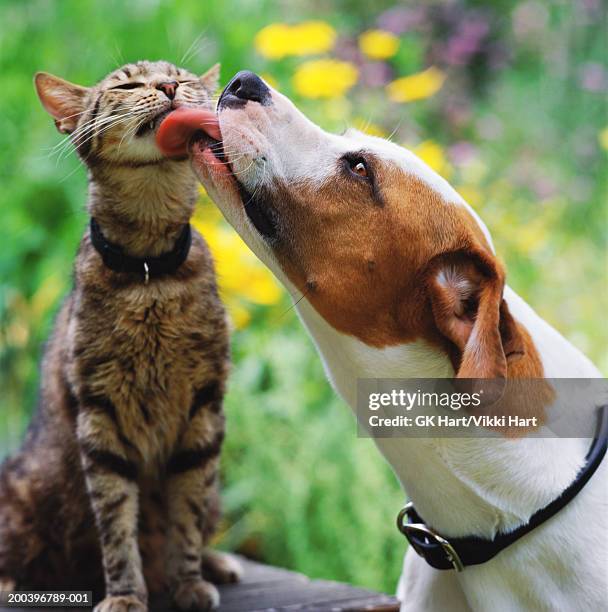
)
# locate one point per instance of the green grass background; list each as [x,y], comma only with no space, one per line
[301,490]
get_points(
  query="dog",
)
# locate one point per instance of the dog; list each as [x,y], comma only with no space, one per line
[398,279]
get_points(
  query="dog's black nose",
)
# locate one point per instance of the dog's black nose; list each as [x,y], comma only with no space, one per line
[245,86]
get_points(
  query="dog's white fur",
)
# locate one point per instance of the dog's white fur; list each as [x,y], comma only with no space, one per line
[494,484]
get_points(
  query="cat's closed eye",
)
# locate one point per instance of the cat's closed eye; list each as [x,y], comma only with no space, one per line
[127,86]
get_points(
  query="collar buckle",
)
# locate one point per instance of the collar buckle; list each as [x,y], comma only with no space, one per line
[424,540]
[474,550]
[146,273]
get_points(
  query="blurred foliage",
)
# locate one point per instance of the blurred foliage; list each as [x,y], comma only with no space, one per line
[506,100]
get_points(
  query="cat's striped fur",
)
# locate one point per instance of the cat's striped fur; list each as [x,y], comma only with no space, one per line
[117,478]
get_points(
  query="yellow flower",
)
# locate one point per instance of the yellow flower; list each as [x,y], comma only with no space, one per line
[312,37]
[603,138]
[378,44]
[242,278]
[416,86]
[432,154]
[239,314]
[324,78]
[369,128]
[274,41]
[278,40]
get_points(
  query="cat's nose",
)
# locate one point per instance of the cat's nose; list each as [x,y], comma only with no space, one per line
[168,88]
[246,86]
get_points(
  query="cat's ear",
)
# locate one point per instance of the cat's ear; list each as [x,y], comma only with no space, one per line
[63,100]
[211,79]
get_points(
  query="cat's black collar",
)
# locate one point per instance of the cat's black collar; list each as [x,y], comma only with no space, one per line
[116,259]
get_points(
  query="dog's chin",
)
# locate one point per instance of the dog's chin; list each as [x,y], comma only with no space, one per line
[260,212]
[210,163]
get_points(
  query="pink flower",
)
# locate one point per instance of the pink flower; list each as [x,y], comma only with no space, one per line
[592,77]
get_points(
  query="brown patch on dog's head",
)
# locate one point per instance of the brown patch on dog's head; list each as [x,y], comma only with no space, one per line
[364,253]
[392,262]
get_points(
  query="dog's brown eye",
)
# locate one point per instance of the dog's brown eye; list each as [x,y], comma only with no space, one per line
[355,163]
[357,166]
[360,168]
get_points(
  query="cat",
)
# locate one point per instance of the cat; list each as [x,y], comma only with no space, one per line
[116,482]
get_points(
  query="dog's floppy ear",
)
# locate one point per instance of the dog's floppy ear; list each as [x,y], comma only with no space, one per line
[63,100]
[465,290]
[211,79]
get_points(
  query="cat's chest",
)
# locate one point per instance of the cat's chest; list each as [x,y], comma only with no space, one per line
[147,351]
[154,333]
[149,337]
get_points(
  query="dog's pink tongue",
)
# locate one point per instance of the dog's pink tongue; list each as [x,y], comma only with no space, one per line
[177,127]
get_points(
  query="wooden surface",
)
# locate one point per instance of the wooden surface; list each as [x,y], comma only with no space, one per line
[266,588]
[271,588]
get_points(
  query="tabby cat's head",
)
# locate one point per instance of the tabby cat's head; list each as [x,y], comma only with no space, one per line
[115,121]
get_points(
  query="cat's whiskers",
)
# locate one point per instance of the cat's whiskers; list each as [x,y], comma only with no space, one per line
[100,122]
[80,130]
[121,120]
[195,46]
[66,138]
[69,149]
[129,132]
[65,178]
[83,136]
[88,131]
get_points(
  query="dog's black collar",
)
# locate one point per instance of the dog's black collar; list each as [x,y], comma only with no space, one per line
[457,553]
[116,259]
